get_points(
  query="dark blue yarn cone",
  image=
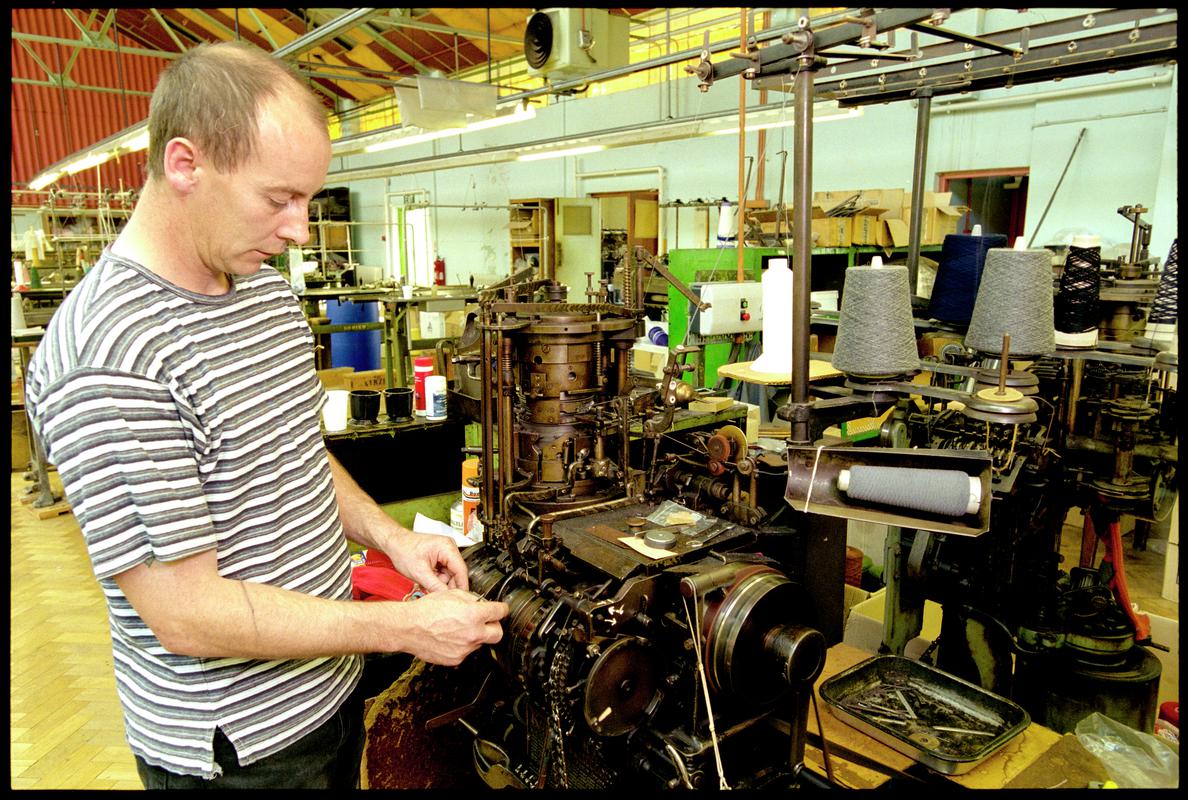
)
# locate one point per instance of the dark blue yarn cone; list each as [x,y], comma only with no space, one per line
[959,274]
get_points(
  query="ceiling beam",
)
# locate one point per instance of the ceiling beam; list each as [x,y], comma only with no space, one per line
[55,84]
[106,44]
[323,33]
[402,22]
[168,29]
[263,28]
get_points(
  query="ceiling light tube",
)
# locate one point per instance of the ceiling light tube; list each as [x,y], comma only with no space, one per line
[44,179]
[86,162]
[568,151]
[520,115]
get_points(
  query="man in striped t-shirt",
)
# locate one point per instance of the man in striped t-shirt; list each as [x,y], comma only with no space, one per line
[175,392]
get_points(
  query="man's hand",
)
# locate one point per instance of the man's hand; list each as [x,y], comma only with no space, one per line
[431,560]
[446,626]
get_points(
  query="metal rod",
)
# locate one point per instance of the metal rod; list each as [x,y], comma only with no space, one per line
[802,197]
[1005,366]
[1067,164]
[742,150]
[923,117]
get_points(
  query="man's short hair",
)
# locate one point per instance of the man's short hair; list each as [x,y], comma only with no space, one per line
[212,96]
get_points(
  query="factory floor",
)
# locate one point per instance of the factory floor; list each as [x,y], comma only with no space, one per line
[66,728]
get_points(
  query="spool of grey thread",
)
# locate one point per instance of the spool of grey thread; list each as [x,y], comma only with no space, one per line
[950,492]
[876,336]
[1015,297]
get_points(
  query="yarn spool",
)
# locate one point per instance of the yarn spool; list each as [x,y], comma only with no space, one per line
[1015,298]
[776,287]
[853,566]
[876,337]
[948,492]
[959,275]
[1076,308]
[727,225]
[1163,310]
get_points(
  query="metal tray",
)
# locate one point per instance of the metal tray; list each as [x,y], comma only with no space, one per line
[947,724]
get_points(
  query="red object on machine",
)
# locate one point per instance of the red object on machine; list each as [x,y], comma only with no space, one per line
[1113,557]
[422,368]
[439,271]
[1170,711]
[379,580]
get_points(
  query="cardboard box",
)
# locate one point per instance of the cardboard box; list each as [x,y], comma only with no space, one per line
[940,217]
[367,379]
[864,626]
[832,231]
[711,404]
[649,358]
[853,597]
[335,378]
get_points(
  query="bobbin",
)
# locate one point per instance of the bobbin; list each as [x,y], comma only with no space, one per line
[1008,410]
[1022,381]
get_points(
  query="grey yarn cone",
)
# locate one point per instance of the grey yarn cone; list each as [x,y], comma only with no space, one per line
[1015,298]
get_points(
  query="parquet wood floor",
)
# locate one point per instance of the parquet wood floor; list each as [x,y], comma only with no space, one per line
[66,728]
[67,731]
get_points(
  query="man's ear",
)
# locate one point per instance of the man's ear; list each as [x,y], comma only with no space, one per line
[182,164]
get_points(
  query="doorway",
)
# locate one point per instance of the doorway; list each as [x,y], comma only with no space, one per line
[996,199]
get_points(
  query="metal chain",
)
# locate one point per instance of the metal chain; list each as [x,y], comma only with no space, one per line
[557,699]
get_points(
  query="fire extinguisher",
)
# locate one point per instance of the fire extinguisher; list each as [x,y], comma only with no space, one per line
[439,271]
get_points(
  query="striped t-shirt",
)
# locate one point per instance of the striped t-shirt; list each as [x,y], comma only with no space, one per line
[179,423]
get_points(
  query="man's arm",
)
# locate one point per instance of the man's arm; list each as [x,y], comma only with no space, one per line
[192,610]
[432,561]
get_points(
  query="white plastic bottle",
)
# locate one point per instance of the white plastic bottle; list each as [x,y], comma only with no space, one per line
[777,319]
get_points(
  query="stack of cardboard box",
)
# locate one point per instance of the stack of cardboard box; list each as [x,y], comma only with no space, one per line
[870,217]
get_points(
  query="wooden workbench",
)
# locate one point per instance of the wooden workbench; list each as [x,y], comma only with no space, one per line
[998,770]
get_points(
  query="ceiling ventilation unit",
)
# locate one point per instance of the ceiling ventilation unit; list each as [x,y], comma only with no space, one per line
[564,43]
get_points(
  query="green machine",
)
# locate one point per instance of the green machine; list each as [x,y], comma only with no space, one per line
[702,266]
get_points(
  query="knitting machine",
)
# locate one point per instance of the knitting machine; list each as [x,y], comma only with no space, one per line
[1129,282]
[663,630]
[1101,438]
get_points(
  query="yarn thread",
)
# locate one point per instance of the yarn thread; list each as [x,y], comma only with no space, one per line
[1163,310]
[1077,305]
[1015,298]
[959,274]
[876,336]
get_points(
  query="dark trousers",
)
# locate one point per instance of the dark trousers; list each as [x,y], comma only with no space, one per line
[327,758]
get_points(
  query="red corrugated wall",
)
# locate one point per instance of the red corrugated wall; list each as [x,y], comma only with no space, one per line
[50,123]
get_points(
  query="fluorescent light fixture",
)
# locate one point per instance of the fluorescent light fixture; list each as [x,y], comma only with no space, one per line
[44,179]
[138,142]
[787,123]
[520,115]
[568,151]
[86,162]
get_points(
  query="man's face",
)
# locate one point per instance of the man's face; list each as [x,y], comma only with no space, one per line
[243,217]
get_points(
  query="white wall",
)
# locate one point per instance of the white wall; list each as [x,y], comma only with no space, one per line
[1127,157]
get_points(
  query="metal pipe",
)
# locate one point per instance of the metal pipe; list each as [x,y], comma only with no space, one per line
[965,104]
[324,33]
[802,199]
[923,117]
[742,150]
